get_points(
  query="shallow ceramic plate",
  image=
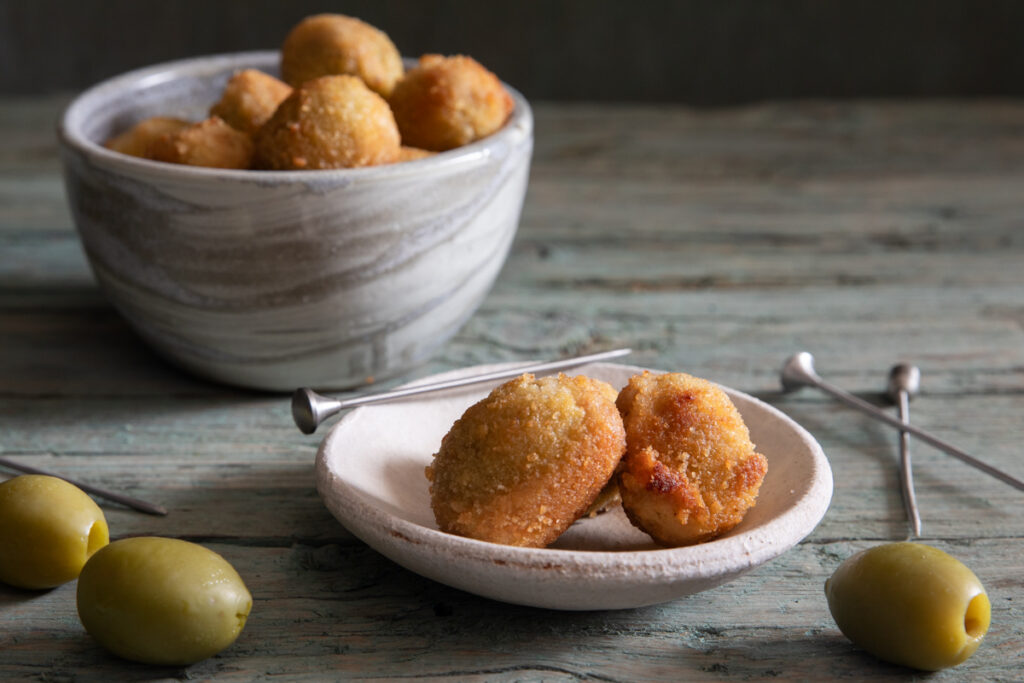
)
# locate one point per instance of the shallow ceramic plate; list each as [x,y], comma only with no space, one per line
[370,475]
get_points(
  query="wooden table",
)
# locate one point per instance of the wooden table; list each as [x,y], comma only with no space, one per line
[716,242]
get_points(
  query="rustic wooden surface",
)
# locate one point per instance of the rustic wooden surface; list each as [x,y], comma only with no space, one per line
[716,242]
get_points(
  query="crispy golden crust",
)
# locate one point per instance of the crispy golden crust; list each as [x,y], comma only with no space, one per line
[137,140]
[413,153]
[690,472]
[211,143]
[329,122]
[250,99]
[523,464]
[332,44]
[446,102]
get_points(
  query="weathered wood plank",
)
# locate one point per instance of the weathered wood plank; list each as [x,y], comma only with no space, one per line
[712,241]
[737,340]
[357,615]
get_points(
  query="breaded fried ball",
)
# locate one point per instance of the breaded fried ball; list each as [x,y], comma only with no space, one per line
[137,139]
[413,153]
[329,122]
[690,472]
[447,102]
[332,44]
[250,98]
[523,464]
[211,143]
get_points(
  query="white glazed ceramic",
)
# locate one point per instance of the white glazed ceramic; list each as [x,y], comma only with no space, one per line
[370,474]
[281,279]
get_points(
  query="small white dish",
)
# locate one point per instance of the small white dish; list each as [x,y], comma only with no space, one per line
[370,474]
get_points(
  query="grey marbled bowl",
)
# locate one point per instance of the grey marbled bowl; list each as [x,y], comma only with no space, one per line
[274,280]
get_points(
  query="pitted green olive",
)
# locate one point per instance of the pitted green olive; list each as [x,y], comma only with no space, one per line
[48,529]
[162,600]
[910,604]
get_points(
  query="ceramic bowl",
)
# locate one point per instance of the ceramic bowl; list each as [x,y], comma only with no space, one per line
[274,280]
[371,477]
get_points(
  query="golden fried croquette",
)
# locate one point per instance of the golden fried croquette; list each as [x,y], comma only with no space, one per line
[690,472]
[329,122]
[446,102]
[137,139]
[412,153]
[249,99]
[332,44]
[523,464]
[211,143]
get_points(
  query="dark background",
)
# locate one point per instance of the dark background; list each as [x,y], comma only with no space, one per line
[691,51]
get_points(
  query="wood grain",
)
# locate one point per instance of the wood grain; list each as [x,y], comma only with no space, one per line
[712,241]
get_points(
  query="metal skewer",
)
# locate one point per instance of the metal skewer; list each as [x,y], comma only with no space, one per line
[310,409]
[799,372]
[904,384]
[134,503]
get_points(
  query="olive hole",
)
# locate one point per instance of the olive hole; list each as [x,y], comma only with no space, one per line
[976,619]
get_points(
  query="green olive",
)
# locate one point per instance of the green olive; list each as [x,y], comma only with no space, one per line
[910,604]
[48,529]
[162,600]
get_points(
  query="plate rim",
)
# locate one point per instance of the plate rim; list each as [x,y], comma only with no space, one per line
[726,555]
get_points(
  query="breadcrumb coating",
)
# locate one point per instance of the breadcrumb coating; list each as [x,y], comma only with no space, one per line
[211,143]
[413,153]
[520,466]
[333,44]
[329,122]
[690,472]
[447,102]
[249,99]
[137,140]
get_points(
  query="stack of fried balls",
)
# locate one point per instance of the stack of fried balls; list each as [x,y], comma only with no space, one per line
[344,100]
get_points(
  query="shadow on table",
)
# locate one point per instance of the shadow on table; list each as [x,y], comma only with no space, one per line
[858,436]
[10,595]
[788,655]
[69,341]
[72,655]
[370,605]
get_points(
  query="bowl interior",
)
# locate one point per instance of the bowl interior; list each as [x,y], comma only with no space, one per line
[185,89]
[188,88]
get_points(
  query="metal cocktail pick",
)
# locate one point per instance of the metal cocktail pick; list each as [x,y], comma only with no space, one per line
[799,372]
[309,408]
[134,503]
[904,384]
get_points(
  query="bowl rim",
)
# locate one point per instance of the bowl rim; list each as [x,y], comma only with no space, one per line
[400,538]
[517,129]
